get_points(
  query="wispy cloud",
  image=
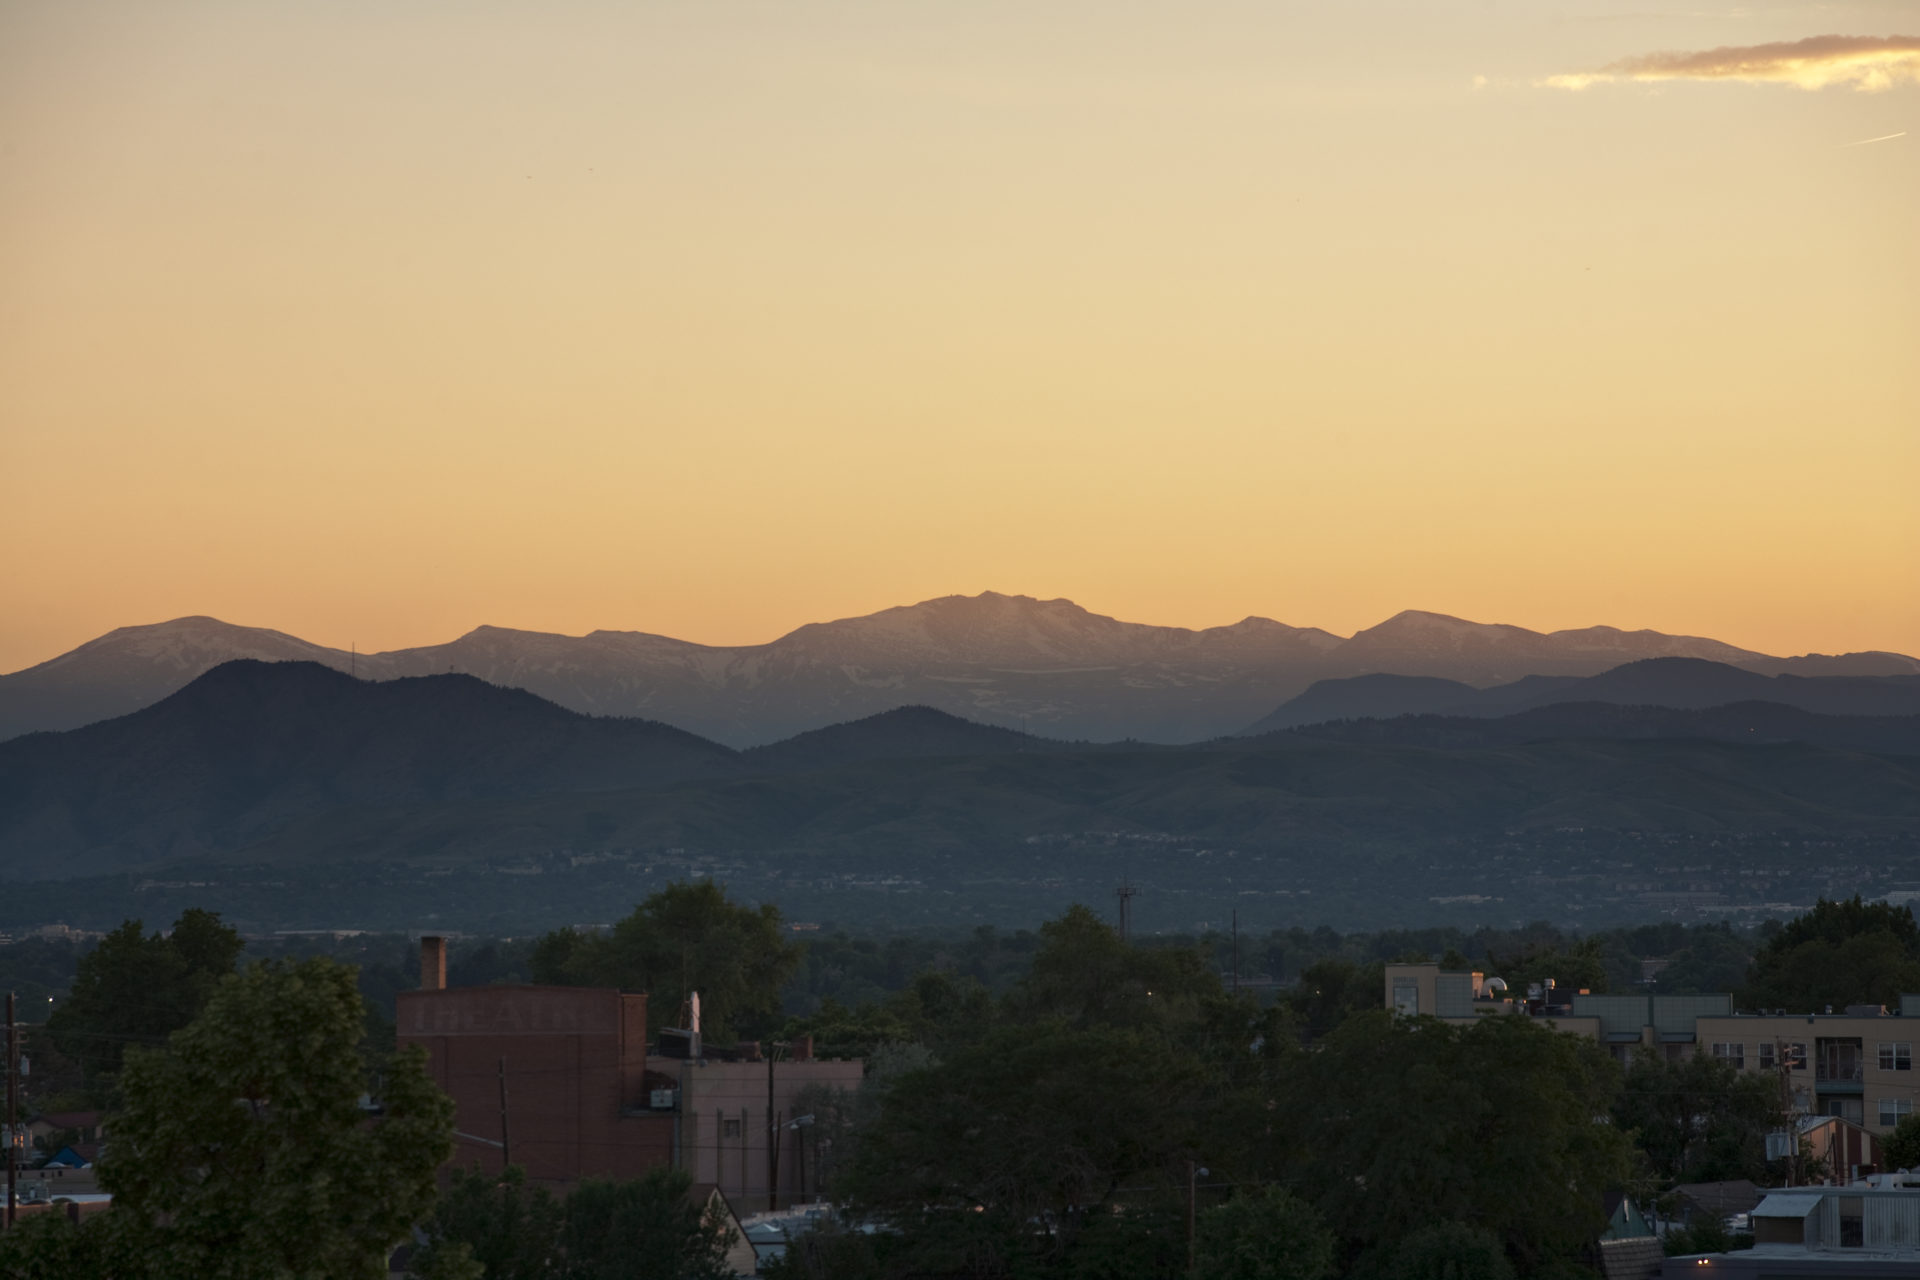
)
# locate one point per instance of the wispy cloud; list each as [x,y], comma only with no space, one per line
[1870,64]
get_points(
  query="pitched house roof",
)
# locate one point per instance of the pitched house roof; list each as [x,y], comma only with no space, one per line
[1723,1199]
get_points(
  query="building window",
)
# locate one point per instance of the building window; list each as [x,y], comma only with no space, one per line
[1894,1110]
[729,1128]
[1764,1053]
[1896,1057]
[1406,996]
[1846,1108]
[1734,1055]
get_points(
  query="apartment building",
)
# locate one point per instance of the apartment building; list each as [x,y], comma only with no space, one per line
[1857,1064]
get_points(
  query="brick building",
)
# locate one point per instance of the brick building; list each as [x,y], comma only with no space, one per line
[559,1081]
[553,1079]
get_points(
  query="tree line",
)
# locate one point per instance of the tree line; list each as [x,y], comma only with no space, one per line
[1101,1109]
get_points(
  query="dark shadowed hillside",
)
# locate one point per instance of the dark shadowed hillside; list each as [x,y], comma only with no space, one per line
[253,747]
[1653,682]
[997,814]
[294,764]
[892,735]
[1751,723]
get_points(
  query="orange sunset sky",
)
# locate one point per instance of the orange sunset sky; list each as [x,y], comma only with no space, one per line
[373,322]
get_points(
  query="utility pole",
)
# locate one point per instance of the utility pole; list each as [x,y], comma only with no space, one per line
[13,1102]
[773,1178]
[1192,1178]
[1236,951]
[772,1135]
[506,1140]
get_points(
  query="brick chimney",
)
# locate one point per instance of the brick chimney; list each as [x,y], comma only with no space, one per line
[433,963]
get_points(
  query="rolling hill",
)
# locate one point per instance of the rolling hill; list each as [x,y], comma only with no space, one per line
[296,763]
[1674,682]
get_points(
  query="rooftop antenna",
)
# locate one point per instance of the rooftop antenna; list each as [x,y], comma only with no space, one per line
[1125,893]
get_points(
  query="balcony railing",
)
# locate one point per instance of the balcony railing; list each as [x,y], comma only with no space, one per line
[1838,1073]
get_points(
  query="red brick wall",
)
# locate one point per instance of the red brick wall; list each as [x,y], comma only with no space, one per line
[573,1059]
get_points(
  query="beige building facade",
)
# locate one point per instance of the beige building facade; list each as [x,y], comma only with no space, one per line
[739,1126]
[1857,1064]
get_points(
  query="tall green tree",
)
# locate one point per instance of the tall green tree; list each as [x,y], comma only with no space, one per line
[1901,1148]
[1449,1251]
[1837,954]
[1502,1125]
[1021,1150]
[1263,1234]
[513,1231]
[688,937]
[646,1228]
[243,1150]
[1698,1120]
[138,988]
[46,1246]
[1332,990]
[1086,975]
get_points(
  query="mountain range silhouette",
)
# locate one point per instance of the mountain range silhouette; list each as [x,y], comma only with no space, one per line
[1048,666]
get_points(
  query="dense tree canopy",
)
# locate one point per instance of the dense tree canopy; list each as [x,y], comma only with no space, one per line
[243,1150]
[1837,954]
[1045,1124]
[1699,1120]
[137,988]
[1901,1148]
[1061,1141]
[1263,1234]
[646,1228]
[1501,1125]
[683,939]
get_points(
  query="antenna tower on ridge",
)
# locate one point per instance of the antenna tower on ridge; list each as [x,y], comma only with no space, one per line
[1125,893]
